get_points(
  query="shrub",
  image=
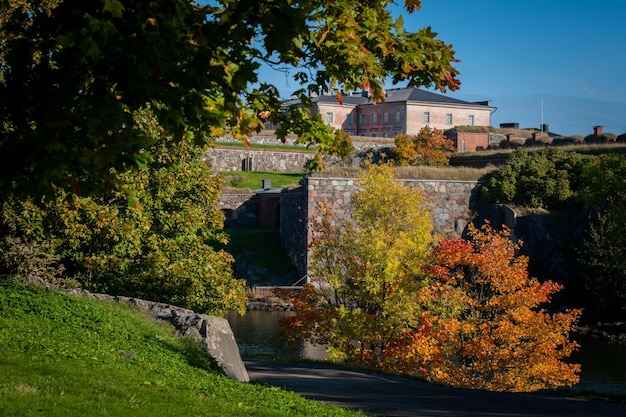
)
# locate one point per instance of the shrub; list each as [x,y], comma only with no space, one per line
[31,261]
[543,179]
[428,147]
[161,247]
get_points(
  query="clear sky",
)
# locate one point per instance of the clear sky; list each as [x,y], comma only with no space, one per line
[570,55]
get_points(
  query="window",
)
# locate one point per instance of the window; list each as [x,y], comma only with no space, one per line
[385,117]
[349,119]
[448,118]
[330,118]
[374,118]
[396,117]
[470,120]
[362,119]
[426,117]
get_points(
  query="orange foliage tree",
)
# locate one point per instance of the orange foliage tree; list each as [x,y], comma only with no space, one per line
[372,267]
[483,324]
[428,147]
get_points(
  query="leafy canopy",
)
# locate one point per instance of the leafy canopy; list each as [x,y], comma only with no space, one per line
[73,74]
[601,260]
[549,178]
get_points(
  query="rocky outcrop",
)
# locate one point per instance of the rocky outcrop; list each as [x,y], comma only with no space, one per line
[213,333]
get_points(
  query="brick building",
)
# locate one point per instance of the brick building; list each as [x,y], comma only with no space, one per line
[405,110]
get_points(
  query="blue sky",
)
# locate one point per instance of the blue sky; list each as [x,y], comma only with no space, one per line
[517,53]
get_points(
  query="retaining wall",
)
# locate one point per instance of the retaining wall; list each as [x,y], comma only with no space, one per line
[247,159]
[240,208]
[451,202]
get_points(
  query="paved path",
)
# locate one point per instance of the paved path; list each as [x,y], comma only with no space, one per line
[389,395]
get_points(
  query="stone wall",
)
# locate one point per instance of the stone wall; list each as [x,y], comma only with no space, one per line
[451,202]
[359,142]
[240,208]
[293,227]
[452,206]
[248,159]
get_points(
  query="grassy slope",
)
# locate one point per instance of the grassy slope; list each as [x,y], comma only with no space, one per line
[61,355]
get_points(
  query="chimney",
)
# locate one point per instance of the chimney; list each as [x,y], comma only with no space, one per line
[544,128]
[536,136]
[597,132]
[267,184]
[510,137]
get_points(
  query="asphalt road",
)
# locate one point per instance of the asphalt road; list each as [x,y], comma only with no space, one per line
[388,395]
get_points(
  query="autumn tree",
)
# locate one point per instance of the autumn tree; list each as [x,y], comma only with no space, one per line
[73,73]
[370,267]
[459,312]
[428,147]
[484,323]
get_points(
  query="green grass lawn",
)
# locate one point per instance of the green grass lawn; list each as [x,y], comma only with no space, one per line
[62,355]
[254,180]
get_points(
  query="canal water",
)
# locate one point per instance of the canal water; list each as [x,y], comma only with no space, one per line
[603,364]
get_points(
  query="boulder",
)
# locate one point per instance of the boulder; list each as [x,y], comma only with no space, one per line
[213,333]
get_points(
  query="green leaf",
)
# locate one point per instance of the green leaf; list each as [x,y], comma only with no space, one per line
[114,7]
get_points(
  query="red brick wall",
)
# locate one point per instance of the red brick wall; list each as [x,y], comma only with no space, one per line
[468,142]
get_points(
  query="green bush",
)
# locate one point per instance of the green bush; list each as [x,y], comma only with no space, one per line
[31,260]
[161,247]
[543,179]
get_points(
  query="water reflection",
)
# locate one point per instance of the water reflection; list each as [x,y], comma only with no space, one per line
[603,364]
[254,333]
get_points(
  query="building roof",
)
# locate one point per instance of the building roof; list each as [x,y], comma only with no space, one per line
[353,100]
[397,95]
[423,96]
